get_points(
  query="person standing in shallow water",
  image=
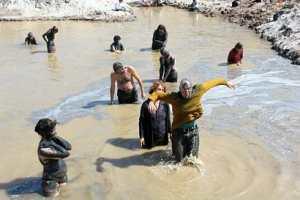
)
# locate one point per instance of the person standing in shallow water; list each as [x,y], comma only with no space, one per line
[236,54]
[123,76]
[116,46]
[30,39]
[52,150]
[160,36]
[187,109]
[49,37]
[167,71]
[154,128]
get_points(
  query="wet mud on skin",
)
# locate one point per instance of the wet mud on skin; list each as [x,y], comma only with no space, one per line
[249,147]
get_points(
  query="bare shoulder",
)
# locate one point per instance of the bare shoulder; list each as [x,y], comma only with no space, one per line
[113,75]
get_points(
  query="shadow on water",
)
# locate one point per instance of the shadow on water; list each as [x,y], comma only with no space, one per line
[223,64]
[38,51]
[23,186]
[150,80]
[146,159]
[146,49]
[95,103]
[126,143]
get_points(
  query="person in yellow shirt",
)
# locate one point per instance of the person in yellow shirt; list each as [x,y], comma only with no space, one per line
[187,109]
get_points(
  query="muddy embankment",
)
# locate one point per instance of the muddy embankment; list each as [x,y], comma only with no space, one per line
[277,21]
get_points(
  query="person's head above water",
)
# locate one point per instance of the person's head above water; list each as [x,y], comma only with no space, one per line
[238,46]
[161,28]
[158,86]
[185,88]
[46,127]
[117,38]
[30,35]
[54,29]
[118,67]
[164,52]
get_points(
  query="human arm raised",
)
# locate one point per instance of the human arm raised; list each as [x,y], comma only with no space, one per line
[204,87]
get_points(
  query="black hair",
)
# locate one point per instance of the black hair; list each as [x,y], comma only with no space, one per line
[238,46]
[117,38]
[162,27]
[45,127]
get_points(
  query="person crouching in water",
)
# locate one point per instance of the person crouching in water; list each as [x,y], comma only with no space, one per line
[30,39]
[235,55]
[123,76]
[49,37]
[160,37]
[116,46]
[52,150]
[154,128]
[187,109]
[167,71]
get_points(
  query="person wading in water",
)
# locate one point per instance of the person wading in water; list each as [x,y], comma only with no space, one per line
[49,37]
[187,109]
[123,76]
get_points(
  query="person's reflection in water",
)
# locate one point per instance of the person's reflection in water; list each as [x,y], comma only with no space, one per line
[234,71]
[53,61]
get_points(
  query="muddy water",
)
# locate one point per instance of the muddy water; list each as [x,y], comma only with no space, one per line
[249,144]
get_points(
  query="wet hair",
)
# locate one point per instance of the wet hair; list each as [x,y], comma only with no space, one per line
[117,38]
[155,86]
[238,46]
[55,29]
[117,65]
[45,127]
[185,82]
[164,51]
[162,27]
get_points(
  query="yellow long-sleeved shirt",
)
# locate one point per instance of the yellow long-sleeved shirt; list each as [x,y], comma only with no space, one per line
[186,110]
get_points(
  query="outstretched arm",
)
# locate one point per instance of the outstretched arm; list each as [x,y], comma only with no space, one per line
[204,87]
[166,97]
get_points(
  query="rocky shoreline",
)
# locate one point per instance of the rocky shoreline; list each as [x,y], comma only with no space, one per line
[46,10]
[278,23]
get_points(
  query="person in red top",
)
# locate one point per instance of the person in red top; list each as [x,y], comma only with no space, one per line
[235,55]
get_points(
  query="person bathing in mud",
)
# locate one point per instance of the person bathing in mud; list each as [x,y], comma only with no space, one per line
[187,109]
[52,149]
[49,37]
[167,71]
[193,6]
[123,76]
[154,128]
[160,36]
[116,46]
[235,55]
[30,39]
